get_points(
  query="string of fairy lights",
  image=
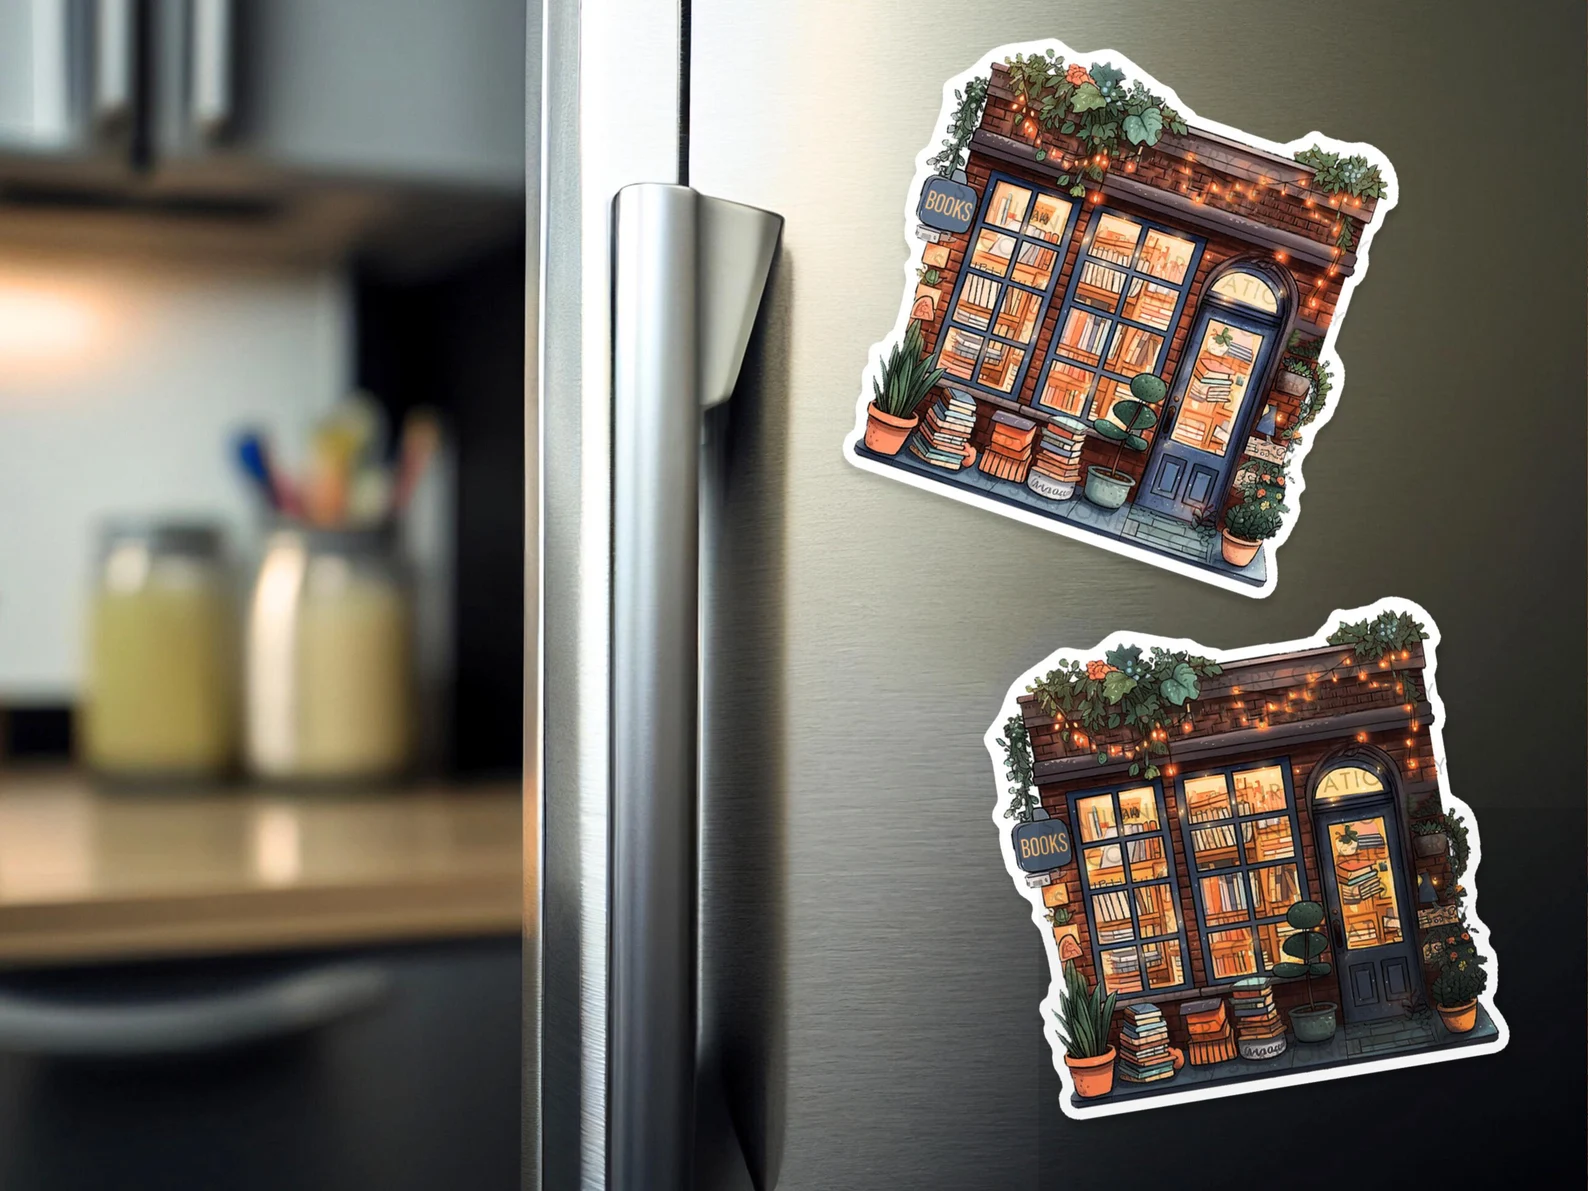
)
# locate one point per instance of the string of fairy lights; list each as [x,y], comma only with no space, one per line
[1203,188]
[1260,716]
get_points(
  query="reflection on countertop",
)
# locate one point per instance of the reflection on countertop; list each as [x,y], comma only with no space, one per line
[87,874]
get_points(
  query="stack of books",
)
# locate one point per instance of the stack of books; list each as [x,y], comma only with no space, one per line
[944,433]
[1056,468]
[1144,1045]
[1260,1028]
[1213,382]
[1007,455]
[1359,880]
[1209,1030]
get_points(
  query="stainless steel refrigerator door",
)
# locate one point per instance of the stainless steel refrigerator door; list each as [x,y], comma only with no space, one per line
[869,978]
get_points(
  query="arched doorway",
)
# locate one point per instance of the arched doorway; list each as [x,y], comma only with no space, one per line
[1364,865]
[1242,323]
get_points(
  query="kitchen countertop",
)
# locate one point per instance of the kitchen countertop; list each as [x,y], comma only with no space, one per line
[91,875]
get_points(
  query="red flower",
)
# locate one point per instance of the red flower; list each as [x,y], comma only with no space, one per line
[1076,75]
[1262,492]
[1465,935]
[1097,670]
[1452,955]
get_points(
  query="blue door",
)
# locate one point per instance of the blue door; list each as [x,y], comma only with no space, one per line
[1216,396]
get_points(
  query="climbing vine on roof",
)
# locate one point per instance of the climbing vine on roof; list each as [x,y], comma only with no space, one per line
[1145,694]
[1353,177]
[1387,633]
[1098,105]
[961,125]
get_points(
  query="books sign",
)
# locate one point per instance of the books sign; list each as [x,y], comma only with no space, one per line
[947,206]
[1042,846]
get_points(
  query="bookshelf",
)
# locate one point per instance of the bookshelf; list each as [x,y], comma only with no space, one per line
[1364,875]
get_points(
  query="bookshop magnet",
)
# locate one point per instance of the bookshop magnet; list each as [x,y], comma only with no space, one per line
[1119,317]
[1273,882]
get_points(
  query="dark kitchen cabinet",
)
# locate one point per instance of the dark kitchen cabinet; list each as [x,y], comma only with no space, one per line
[405,91]
[416,1087]
[67,89]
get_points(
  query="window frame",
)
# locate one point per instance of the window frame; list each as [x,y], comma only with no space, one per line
[1099,371]
[1244,867]
[1170,881]
[1059,247]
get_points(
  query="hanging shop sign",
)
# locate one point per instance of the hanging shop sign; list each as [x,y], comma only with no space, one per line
[1042,846]
[1244,883]
[947,206]
[1118,348]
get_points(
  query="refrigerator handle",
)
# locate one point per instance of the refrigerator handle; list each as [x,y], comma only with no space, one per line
[688,274]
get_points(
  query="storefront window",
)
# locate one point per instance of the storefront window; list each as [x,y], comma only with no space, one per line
[1126,293]
[1004,288]
[1138,938]
[1240,829]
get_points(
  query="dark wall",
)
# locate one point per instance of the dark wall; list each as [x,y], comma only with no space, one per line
[456,343]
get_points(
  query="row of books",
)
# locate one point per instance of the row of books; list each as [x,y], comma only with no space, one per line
[1144,1055]
[1256,1013]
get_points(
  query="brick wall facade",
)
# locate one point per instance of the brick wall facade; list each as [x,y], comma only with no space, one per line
[1293,692]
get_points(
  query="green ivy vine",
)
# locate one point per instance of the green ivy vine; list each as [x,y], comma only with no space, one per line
[1018,768]
[1128,690]
[1354,176]
[1386,633]
[1097,106]
[1302,358]
[961,126]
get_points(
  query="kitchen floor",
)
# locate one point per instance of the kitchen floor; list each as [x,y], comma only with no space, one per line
[1352,1043]
[1140,527]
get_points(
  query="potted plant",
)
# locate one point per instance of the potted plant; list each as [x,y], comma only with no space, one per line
[1108,487]
[1295,378]
[1066,932]
[1252,522]
[1220,343]
[1461,977]
[1430,838]
[1315,1022]
[906,379]
[1084,1016]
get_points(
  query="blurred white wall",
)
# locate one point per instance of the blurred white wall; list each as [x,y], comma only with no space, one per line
[121,384]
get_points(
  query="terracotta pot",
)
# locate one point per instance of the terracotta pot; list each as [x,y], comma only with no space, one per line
[885,434]
[1107,489]
[1435,843]
[1292,383]
[1093,1077]
[1458,1019]
[1238,552]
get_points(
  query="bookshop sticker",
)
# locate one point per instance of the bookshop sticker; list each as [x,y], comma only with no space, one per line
[1168,780]
[1035,318]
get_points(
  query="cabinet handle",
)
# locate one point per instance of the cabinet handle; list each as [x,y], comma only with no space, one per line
[211,88]
[189,1025]
[113,61]
[688,273]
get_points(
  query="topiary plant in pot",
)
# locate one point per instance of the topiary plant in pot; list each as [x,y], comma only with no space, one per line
[1316,1022]
[1108,487]
[907,377]
[1084,1017]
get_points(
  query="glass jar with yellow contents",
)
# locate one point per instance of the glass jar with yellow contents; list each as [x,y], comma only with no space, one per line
[160,668]
[329,651]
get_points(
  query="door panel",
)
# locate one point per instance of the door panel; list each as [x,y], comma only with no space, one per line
[877,984]
[1365,879]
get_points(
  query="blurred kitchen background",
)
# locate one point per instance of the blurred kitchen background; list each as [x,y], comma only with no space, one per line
[262,592]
